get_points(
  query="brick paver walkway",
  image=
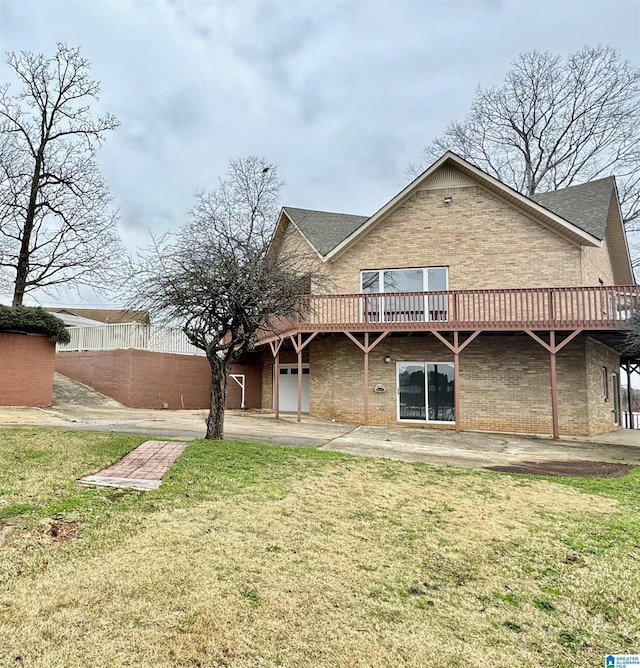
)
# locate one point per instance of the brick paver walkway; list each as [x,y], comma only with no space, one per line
[143,468]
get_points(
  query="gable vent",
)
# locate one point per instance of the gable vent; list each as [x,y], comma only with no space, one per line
[447,177]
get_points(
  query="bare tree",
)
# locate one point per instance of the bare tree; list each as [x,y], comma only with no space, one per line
[219,279]
[633,336]
[56,222]
[554,123]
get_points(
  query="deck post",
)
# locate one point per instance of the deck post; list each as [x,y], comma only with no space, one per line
[366,379]
[456,379]
[299,347]
[552,348]
[554,386]
[456,348]
[275,346]
[366,348]
[276,384]
[629,395]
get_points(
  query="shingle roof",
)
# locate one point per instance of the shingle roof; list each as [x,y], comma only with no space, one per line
[586,205]
[324,229]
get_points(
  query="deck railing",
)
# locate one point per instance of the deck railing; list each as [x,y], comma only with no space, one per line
[583,307]
[131,335]
[529,308]
[632,422]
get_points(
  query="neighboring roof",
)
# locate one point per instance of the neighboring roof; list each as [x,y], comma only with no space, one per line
[324,230]
[71,320]
[585,205]
[111,316]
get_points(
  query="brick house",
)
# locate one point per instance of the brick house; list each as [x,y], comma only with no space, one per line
[460,304]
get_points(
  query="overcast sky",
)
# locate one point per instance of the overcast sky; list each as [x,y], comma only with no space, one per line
[342,96]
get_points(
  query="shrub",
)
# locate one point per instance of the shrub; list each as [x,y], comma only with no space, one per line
[33,320]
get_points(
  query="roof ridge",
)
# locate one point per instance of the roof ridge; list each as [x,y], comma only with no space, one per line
[333,213]
[575,185]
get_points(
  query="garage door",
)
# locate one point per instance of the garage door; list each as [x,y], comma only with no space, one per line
[289,388]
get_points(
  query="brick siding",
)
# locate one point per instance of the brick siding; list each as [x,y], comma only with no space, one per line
[598,355]
[485,241]
[26,369]
[504,382]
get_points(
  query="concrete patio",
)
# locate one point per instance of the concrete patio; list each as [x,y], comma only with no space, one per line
[77,407]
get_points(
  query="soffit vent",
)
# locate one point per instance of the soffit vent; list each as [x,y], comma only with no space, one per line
[447,177]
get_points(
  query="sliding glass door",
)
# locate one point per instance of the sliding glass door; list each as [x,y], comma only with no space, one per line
[426,391]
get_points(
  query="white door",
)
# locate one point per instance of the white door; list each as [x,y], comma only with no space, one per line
[289,388]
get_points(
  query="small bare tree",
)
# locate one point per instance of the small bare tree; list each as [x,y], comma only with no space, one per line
[56,222]
[554,123]
[218,277]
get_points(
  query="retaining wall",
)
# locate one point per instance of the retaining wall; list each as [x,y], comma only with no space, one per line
[144,379]
[26,369]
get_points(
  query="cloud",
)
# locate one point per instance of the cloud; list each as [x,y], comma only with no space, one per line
[341,95]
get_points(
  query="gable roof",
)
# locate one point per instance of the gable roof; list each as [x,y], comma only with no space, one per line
[328,233]
[585,205]
[324,230]
[545,216]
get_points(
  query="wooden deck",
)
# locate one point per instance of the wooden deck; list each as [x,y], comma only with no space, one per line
[592,308]
[552,317]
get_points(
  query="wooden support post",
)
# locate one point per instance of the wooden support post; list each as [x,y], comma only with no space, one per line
[299,348]
[630,396]
[554,386]
[299,345]
[553,349]
[456,380]
[456,348]
[366,348]
[366,379]
[276,383]
[275,346]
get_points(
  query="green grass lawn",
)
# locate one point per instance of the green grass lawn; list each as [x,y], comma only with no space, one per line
[258,555]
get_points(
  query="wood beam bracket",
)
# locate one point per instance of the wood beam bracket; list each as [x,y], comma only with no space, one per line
[553,347]
[275,346]
[367,347]
[456,347]
[299,344]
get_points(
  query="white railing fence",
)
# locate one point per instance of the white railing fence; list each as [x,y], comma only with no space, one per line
[626,423]
[131,335]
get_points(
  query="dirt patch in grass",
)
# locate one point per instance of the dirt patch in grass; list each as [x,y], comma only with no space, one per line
[46,532]
[57,531]
[574,469]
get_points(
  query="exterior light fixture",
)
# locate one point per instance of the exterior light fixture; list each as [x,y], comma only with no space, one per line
[387,359]
[448,200]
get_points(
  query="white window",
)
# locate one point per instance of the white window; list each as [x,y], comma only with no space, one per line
[412,304]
